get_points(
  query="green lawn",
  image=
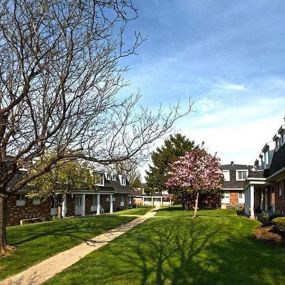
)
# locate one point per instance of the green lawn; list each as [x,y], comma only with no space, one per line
[135,211]
[175,211]
[218,247]
[36,242]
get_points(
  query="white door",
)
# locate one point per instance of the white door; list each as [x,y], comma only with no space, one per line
[225,197]
[241,198]
[78,205]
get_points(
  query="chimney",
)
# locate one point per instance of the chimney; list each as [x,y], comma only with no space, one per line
[232,163]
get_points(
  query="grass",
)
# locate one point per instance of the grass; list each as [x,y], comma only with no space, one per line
[218,247]
[176,211]
[135,211]
[36,242]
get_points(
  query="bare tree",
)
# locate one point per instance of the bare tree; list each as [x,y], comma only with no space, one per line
[130,168]
[59,76]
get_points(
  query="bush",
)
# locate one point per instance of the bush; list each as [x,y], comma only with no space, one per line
[265,219]
[279,225]
[280,222]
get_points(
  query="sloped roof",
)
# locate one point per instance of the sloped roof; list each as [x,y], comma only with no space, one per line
[235,166]
[116,186]
[278,160]
[233,183]
[256,174]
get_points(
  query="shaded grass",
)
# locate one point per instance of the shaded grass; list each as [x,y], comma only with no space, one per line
[176,210]
[216,248]
[36,242]
[135,211]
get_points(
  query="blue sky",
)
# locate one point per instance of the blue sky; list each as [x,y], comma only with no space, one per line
[227,56]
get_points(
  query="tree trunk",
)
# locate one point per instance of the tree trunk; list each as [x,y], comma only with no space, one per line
[196,205]
[3,223]
[184,201]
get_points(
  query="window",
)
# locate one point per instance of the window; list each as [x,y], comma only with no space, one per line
[225,195]
[280,189]
[241,175]
[124,181]
[240,195]
[114,177]
[266,155]
[109,176]
[20,200]
[226,174]
[36,201]
[78,200]
[99,179]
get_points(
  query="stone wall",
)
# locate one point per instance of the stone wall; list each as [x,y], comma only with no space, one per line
[27,211]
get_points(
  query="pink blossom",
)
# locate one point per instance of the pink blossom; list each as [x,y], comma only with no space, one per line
[195,171]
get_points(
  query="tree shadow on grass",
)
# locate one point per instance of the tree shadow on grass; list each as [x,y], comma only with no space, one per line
[77,228]
[164,252]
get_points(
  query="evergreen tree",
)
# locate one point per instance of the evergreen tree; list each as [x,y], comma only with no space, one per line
[174,147]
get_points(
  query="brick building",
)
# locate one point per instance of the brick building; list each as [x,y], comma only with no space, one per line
[110,194]
[232,194]
[265,184]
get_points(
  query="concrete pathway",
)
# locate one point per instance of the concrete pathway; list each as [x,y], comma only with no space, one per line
[46,269]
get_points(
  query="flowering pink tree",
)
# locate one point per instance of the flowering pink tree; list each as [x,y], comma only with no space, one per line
[194,172]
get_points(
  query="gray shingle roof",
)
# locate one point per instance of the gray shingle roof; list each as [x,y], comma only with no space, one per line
[233,183]
[278,160]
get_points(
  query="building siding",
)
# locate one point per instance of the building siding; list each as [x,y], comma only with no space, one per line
[28,211]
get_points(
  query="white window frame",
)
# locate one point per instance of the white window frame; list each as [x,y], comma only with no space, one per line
[78,200]
[114,177]
[36,201]
[241,170]
[266,156]
[225,197]
[99,179]
[124,181]
[225,177]
[22,201]
[108,176]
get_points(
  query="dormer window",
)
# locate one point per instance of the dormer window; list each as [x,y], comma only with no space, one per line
[108,176]
[226,174]
[114,177]
[277,140]
[124,181]
[241,175]
[261,161]
[99,179]
[266,157]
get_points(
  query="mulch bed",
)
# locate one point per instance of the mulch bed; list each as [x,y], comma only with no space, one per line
[270,235]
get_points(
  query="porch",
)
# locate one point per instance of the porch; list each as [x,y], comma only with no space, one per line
[258,199]
[83,204]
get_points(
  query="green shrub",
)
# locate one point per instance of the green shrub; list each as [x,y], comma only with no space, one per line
[265,219]
[280,222]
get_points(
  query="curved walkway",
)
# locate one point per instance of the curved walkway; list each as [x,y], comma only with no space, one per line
[46,269]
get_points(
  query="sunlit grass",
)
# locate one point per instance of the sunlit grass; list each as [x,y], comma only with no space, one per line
[36,242]
[218,247]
